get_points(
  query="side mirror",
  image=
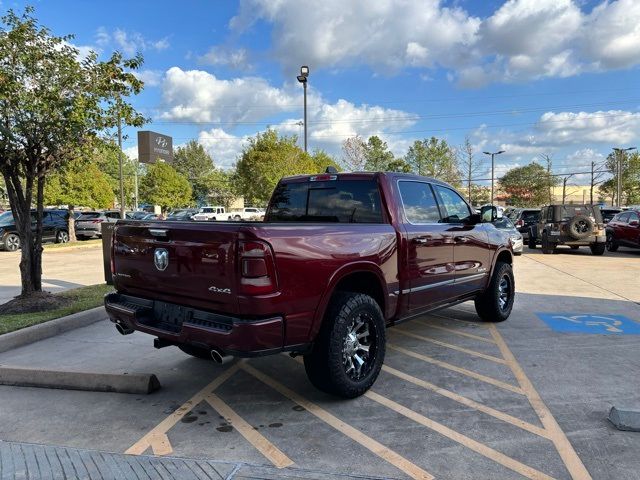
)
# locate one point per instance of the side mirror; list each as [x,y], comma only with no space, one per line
[488,213]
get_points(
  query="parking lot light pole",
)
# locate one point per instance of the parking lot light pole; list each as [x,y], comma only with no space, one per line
[302,78]
[619,157]
[120,160]
[493,169]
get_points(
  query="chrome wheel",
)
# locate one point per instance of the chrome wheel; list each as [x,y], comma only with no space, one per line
[358,350]
[504,292]
[12,242]
[63,237]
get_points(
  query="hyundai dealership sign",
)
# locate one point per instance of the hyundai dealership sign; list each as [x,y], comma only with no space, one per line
[154,146]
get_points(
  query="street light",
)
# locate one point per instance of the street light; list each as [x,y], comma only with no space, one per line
[493,168]
[619,154]
[302,78]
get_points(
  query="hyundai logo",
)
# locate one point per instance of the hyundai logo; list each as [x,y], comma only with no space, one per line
[162,142]
[161,258]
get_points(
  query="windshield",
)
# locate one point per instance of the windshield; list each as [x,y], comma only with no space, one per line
[6,217]
[339,201]
[504,223]
[89,216]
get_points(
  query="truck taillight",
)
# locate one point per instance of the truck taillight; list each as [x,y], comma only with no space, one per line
[257,268]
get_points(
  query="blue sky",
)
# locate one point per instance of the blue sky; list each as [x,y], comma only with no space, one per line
[532,77]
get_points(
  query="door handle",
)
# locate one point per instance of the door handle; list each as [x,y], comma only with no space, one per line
[461,239]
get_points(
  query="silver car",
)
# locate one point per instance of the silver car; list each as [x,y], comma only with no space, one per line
[504,223]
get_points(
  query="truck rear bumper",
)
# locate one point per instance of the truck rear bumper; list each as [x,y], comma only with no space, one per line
[184,325]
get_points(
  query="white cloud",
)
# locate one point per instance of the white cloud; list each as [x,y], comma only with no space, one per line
[151,78]
[611,127]
[234,58]
[520,41]
[223,147]
[129,43]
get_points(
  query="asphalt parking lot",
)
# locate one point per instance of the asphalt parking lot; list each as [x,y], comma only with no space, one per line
[457,399]
[62,268]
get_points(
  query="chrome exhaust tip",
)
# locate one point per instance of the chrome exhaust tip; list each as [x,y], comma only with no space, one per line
[122,330]
[219,358]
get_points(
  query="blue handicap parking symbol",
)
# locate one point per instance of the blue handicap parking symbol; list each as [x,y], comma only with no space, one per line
[590,323]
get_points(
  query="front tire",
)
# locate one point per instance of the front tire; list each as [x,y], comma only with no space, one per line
[597,248]
[547,246]
[62,237]
[12,242]
[496,302]
[349,351]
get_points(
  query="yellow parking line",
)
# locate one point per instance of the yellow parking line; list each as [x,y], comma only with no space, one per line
[369,443]
[477,447]
[482,326]
[156,434]
[264,446]
[457,332]
[574,465]
[451,346]
[505,417]
[454,368]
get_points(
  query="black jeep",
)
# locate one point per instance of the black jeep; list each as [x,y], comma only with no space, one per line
[573,225]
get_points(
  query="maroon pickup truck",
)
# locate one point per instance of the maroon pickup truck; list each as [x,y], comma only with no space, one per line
[338,258]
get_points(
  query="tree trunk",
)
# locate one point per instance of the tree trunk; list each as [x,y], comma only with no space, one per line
[71,225]
[36,259]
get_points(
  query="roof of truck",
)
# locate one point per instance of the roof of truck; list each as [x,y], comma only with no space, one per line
[364,176]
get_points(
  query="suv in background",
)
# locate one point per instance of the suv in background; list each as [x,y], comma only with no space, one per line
[54,229]
[608,213]
[210,212]
[573,225]
[624,230]
[88,224]
[524,219]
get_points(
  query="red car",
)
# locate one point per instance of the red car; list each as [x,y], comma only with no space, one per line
[338,258]
[623,230]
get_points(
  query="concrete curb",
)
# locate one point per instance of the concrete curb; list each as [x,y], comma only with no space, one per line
[138,383]
[28,335]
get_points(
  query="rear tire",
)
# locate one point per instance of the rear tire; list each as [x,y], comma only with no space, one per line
[531,243]
[349,351]
[597,248]
[62,236]
[547,246]
[198,352]
[575,247]
[496,302]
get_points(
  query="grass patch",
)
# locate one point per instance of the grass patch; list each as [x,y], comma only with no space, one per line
[79,299]
[78,244]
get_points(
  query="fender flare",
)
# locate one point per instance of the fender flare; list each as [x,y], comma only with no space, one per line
[336,277]
[498,252]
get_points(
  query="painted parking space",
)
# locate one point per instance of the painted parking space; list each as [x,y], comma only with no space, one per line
[600,324]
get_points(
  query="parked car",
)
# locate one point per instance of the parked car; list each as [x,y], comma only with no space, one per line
[182,215]
[624,230]
[54,229]
[572,225]
[507,225]
[211,212]
[338,258]
[523,219]
[88,224]
[247,213]
[608,213]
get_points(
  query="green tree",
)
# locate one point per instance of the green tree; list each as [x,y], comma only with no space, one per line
[52,103]
[322,160]
[527,186]
[630,179]
[105,156]
[434,158]
[480,195]
[163,185]
[377,154]
[398,165]
[219,187]
[79,183]
[193,162]
[264,161]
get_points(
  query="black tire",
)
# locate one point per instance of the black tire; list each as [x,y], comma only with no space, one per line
[496,302]
[611,244]
[597,248]
[11,242]
[531,243]
[198,352]
[329,366]
[580,227]
[574,247]
[547,246]
[62,236]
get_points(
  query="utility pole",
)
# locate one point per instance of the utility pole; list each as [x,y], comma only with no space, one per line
[135,204]
[302,78]
[620,153]
[120,164]
[493,169]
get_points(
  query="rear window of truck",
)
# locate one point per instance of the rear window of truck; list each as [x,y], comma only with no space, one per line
[334,201]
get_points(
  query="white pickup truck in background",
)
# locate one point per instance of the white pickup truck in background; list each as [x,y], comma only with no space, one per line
[247,213]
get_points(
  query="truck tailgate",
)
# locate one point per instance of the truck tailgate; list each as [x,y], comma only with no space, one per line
[178,261]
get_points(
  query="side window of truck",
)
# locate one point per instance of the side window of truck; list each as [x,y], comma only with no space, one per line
[455,209]
[419,203]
